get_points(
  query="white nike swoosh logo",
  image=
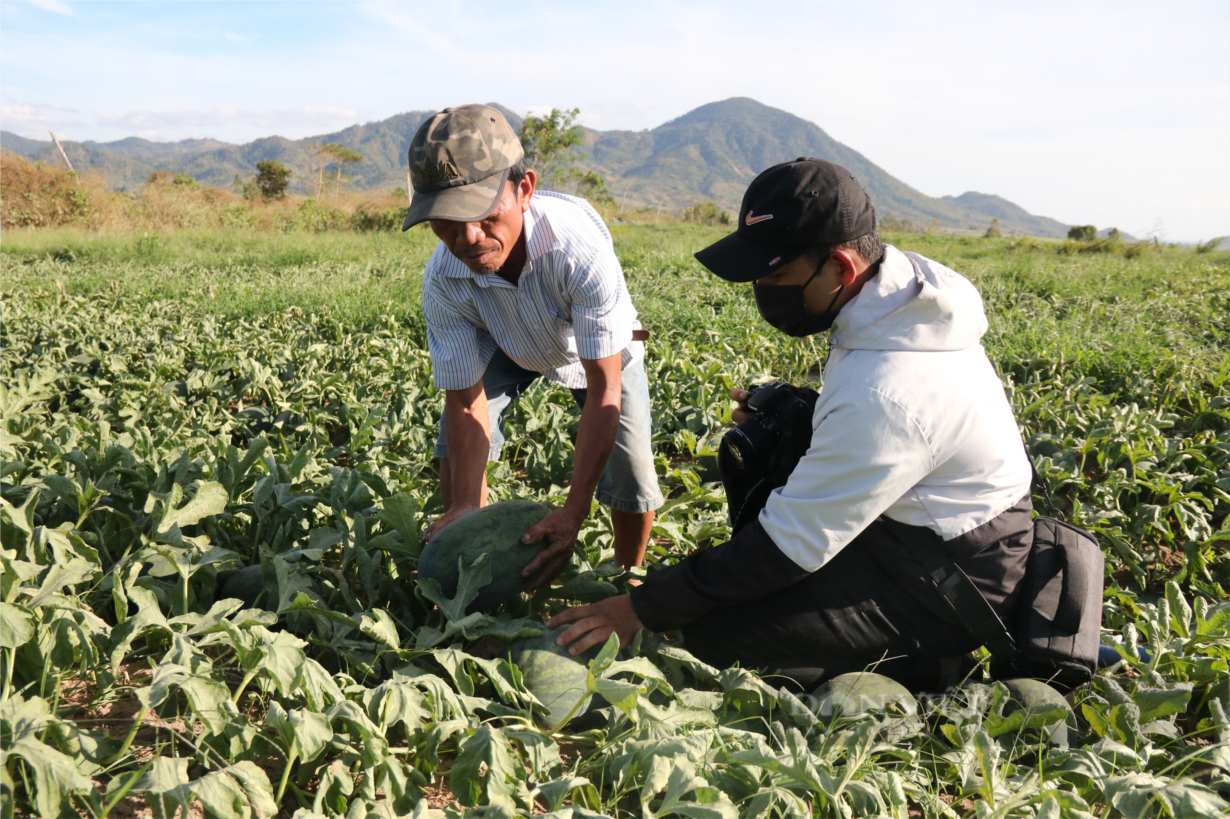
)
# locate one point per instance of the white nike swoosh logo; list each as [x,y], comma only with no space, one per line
[751,220]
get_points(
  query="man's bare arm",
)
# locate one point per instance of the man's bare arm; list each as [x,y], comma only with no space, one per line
[595,439]
[468,434]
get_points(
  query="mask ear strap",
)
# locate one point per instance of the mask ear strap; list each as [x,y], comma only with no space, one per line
[814,274]
[836,296]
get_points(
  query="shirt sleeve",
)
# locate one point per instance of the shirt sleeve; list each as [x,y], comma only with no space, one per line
[866,452]
[459,349]
[747,567]
[602,312]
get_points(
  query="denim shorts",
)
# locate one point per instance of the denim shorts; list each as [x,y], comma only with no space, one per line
[629,483]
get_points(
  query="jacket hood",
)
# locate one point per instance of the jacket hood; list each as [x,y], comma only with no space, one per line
[930,308]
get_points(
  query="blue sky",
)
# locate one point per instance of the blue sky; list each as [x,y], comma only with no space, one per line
[1111,113]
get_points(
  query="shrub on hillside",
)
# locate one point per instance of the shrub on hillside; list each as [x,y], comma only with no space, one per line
[706,213]
[178,201]
[35,194]
[368,218]
[1083,233]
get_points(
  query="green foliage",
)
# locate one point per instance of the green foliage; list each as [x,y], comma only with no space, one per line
[183,407]
[1083,233]
[550,145]
[1211,244]
[706,213]
[272,179]
[993,232]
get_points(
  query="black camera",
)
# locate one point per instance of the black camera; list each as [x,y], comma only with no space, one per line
[758,455]
[756,435]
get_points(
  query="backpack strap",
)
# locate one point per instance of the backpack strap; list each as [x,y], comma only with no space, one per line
[966,603]
[1038,486]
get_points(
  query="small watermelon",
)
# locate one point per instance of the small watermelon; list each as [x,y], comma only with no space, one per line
[245,584]
[1039,701]
[862,692]
[494,530]
[551,674]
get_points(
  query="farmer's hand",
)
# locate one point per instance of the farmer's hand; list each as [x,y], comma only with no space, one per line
[738,415]
[560,529]
[594,623]
[455,511]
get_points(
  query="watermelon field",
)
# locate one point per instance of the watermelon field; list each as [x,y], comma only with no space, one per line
[216,472]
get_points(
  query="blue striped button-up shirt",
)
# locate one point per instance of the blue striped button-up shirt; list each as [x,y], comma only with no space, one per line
[570,303]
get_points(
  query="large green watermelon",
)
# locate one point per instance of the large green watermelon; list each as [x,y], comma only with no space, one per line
[861,692]
[551,674]
[1042,705]
[494,530]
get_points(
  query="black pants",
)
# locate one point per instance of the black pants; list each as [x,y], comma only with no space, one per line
[849,615]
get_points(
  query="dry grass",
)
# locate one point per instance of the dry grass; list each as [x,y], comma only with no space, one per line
[38,195]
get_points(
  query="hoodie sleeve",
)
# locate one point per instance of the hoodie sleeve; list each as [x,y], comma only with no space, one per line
[866,452]
[747,567]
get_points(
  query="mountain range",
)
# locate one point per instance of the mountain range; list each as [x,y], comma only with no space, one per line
[710,153]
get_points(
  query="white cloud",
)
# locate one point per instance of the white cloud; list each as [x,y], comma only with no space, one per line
[56,6]
[173,125]
[35,119]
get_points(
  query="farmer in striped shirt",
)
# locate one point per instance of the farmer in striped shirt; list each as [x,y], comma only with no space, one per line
[526,284]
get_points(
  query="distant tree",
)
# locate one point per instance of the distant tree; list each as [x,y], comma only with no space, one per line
[549,142]
[342,157]
[550,145]
[1082,233]
[592,186]
[993,232]
[706,213]
[320,155]
[318,158]
[1114,235]
[272,178]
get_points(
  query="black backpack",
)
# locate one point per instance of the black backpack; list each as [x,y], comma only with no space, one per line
[1054,632]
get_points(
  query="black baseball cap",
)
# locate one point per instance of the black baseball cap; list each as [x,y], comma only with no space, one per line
[787,209]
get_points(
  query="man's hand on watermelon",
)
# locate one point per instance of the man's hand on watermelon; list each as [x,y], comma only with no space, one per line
[455,511]
[593,624]
[560,529]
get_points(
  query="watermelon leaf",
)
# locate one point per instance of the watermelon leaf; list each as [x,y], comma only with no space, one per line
[401,512]
[378,625]
[487,748]
[473,578]
[16,626]
[622,695]
[1156,703]
[606,656]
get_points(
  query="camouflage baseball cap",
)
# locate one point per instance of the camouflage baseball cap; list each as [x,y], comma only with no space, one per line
[459,160]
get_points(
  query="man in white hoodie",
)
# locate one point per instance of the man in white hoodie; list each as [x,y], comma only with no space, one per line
[914,448]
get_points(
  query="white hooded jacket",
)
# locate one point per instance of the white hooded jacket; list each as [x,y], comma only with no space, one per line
[912,422]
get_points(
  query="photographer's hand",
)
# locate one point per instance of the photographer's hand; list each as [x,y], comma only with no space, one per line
[739,415]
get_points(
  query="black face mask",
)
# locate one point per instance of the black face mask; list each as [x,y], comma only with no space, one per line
[782,306]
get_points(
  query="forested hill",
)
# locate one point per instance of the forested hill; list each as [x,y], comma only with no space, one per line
[711,152]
